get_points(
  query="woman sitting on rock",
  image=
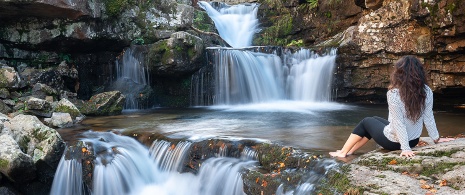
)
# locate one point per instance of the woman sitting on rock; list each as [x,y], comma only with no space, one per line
[410,103]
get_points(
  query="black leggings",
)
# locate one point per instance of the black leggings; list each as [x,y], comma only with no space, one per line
[373,127]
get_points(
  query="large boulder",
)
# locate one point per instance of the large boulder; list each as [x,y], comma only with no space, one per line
[42,143]
[14,164]
[180,54]
[106,103]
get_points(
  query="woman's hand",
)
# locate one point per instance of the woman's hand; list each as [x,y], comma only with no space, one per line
[407,153]
[444,140]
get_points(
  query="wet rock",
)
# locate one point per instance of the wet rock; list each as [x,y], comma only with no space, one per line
[106,103]
[42,143]
[65,106]
[14,164]
[180,54]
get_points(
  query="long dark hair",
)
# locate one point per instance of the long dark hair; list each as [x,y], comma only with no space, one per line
[409,78]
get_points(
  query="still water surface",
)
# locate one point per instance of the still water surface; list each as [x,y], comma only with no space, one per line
[318,127]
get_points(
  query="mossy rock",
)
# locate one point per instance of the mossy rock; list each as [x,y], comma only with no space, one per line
[106,103]
[65,106]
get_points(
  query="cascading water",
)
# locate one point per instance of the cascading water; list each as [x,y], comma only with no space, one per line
[124,166]
[236,24]
[132,77]
[248,76]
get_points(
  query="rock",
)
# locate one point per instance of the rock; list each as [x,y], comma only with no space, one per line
[65,106]
[6,191]
[38,104]
[455,177]
[42,90]
[106,103]
[8,77]
[180,54]
[61,119]
[378,170]
[4,108]
[4,93]
[14,164]
[42,143]
[369,4]
[64,70]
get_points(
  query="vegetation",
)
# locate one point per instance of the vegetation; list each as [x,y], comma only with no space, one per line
[3,163]
[115,7]
[337,182]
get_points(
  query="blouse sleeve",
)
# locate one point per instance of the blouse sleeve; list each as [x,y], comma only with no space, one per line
[429,121]
[398,119]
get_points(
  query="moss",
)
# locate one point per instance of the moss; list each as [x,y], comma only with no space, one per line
[439,168]
[115,7]
[3,163]
[66,109]
[439,153]
[338,181]
[23,143]
[39,134]
[202,21]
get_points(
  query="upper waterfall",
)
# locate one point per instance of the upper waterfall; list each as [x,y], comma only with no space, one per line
[236,24]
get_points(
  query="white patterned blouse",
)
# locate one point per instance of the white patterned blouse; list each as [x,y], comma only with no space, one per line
[401,129]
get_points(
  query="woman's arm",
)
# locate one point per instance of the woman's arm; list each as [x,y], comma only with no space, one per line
[428,117]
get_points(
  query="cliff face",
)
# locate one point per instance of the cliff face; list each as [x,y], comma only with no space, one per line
[433,31]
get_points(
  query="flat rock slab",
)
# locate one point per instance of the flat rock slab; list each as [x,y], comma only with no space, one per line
[436,169]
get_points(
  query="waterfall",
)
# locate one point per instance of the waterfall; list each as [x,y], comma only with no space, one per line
[132,77]
[223,176]
[122,165]
[168,157]
[69,181]
[236,24]
[247,77]
[253,76]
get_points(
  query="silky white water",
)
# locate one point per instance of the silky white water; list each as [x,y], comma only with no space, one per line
[246,76]
[131,77]
[124,166]
[235,24]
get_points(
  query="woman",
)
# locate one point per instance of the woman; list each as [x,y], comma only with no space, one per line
[410,102]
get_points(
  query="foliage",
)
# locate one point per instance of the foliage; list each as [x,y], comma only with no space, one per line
[115,7]
[138,41]
[298,43]
[275,35]
[65,57]
[308,5]
[202,21]
[337,182]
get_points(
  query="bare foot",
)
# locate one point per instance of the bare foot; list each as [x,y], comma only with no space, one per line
[348,154]
[338,153]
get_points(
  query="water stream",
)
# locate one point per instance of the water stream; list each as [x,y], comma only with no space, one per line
[280,96]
